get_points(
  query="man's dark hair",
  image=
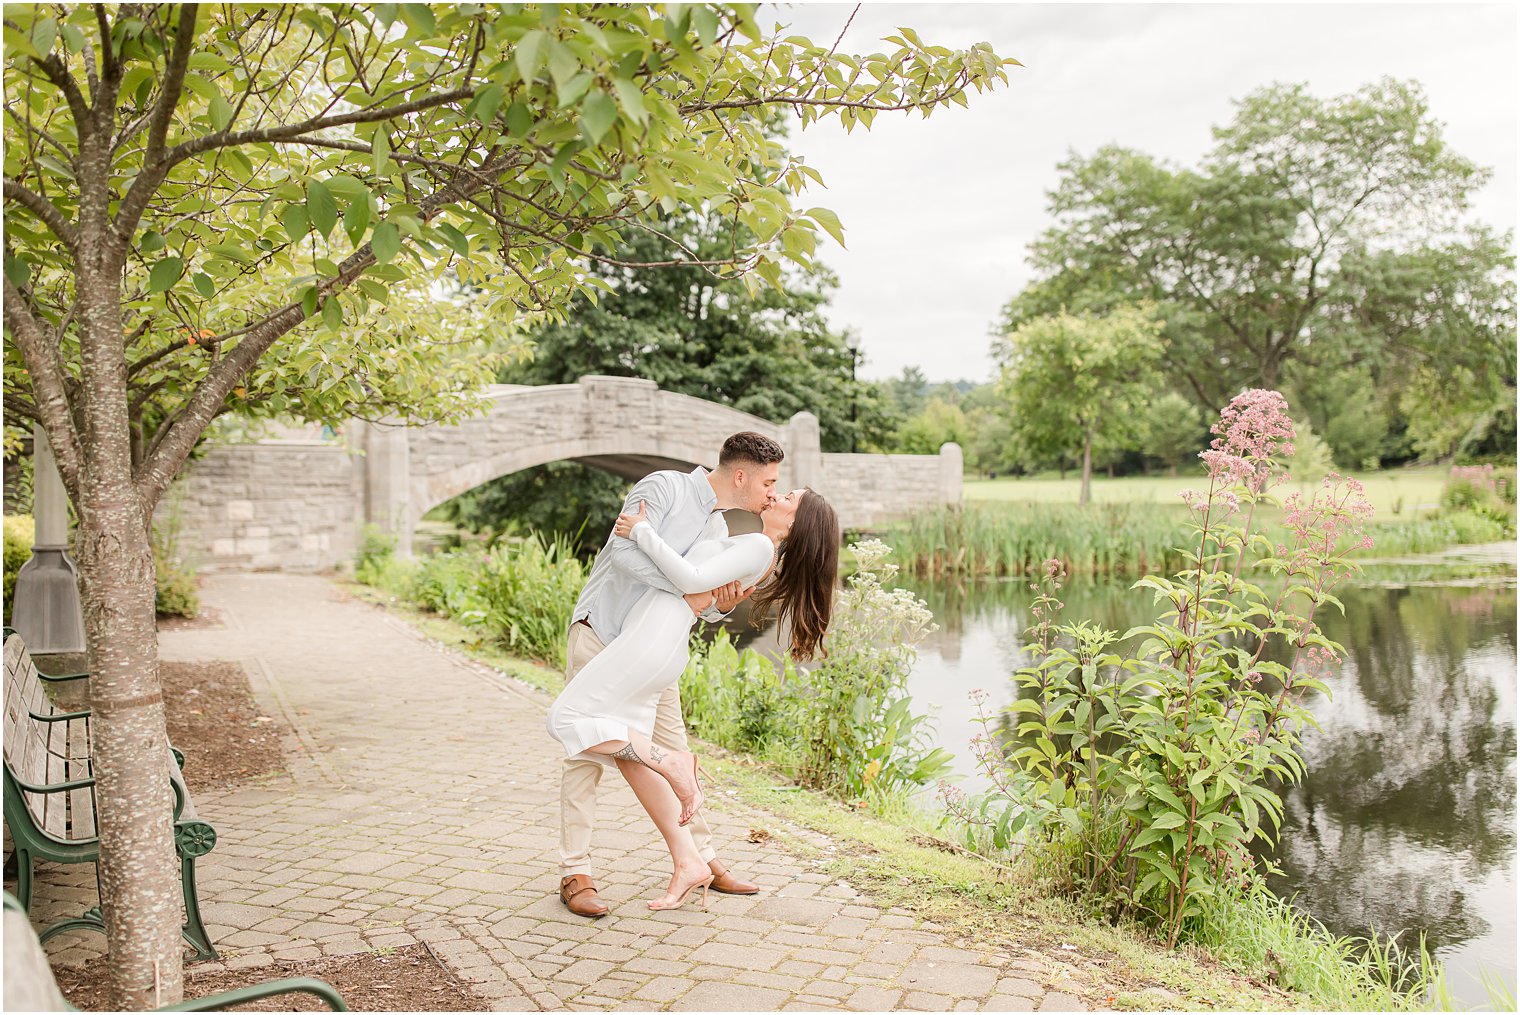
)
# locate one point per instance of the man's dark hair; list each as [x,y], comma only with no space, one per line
[749,448]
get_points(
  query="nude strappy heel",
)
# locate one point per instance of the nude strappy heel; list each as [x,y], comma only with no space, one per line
[703,884]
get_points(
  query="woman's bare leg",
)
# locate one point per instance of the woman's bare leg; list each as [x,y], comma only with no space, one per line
[675,767]
[660,803]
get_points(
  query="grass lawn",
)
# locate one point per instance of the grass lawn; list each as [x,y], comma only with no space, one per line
[1394,492]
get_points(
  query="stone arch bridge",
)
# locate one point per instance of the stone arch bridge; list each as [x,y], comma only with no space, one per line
[299,503]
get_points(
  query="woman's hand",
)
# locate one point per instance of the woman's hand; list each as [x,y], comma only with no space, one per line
[625,523]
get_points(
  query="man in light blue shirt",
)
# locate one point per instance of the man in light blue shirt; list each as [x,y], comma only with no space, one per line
[683,507]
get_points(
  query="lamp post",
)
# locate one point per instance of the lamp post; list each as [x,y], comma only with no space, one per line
[853,341]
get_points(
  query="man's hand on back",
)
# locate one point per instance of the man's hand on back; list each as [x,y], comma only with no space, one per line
[730,595]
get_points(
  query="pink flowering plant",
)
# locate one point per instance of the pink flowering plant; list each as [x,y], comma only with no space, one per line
[1147,774]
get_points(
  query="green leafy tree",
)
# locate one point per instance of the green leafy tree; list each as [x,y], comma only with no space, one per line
[1172,429]
[1074,380]
[266,172]
[1295,246]
[937,423]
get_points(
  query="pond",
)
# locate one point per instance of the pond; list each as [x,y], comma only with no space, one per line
[1406,821]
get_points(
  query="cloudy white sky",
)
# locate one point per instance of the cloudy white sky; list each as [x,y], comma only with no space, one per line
[939,213]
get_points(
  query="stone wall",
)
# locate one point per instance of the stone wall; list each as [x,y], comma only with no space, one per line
[281,506]
[868,490]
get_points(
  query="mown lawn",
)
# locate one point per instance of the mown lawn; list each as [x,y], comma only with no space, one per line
[1394,492]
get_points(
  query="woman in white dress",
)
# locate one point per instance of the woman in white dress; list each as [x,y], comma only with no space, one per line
[607,713]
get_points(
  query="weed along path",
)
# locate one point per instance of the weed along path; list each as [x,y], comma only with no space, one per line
[419,804]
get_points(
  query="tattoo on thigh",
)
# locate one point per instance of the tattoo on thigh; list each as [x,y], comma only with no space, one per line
[629,754]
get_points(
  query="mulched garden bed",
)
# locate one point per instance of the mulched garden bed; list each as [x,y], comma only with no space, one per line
[213,719]
[403,979]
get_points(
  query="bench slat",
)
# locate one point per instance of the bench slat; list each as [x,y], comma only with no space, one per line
[81,801]
[55,806]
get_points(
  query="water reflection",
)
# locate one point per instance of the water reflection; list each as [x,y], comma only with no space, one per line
[1406,819]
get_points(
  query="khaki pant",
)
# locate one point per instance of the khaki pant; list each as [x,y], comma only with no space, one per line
[579,779]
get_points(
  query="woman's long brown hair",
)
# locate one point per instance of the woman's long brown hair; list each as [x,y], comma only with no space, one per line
[804,579]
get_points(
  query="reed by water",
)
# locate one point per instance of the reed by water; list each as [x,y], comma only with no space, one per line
[996,539]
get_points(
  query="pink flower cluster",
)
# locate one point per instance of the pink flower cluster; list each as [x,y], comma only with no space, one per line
[1321,662]
[1254,425]
[1475,475]
[1338,508]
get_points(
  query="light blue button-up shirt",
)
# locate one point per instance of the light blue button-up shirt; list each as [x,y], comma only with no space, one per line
[682,508]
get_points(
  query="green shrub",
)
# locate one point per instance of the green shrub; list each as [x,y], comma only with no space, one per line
[857,734]
[741,701]
[375,543]
[176,595]
[526,593]
[19,535]
[448,583]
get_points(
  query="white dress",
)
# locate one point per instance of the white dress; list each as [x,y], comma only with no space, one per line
[620,688]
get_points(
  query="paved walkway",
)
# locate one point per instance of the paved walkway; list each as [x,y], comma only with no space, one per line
[421,804]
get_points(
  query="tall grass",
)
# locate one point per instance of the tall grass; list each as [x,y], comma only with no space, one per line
[1262,932]
[993,539]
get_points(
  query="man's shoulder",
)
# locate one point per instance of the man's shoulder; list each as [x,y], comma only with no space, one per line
[665,479]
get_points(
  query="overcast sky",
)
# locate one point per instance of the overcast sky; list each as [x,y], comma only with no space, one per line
[939,213]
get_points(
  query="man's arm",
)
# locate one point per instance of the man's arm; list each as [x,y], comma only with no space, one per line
[657,495]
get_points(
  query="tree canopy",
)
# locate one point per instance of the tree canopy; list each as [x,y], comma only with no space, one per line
[1319,236]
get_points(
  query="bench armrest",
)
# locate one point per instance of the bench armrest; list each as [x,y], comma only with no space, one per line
[59,717]
[325,992]
[57,787]
[58,678]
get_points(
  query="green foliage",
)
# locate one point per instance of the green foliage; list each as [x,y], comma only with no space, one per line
[1259,931]
[1311,460]
[176,594]
[20,534]
[939,422]
[518,594]
[742,701]
[857,734]
[1481,490]
[845,724]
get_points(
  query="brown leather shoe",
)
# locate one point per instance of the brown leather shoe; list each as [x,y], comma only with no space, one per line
[724,881]
[578,893]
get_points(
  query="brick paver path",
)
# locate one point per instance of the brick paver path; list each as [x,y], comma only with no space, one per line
[421,804]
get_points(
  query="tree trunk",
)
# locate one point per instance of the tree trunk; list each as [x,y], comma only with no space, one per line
[139,873]
[1086,498]
[139,877]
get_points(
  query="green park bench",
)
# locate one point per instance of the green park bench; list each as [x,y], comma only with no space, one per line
[50,802]
[30,985]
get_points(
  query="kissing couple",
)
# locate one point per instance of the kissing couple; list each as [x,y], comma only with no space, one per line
[668,561]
